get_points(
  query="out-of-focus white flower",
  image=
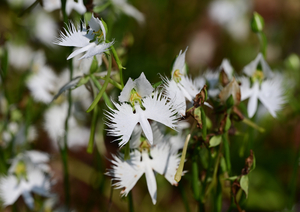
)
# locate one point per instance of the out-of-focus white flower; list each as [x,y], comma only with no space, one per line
[51,5]
[55,118]
[251,68]
[92,41]
[128,172]
[19,56]
[269,92]
[26,175]
[45,28]
[231,14]
[123,6]
[138,104]
[20,3]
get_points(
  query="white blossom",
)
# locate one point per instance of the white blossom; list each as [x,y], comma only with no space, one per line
[92,41]
[51,5]
[128,172]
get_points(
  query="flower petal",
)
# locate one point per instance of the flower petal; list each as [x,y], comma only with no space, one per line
[180,63]
[252,104]
[143,86]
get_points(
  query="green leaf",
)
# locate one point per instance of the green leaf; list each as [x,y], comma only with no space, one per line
[87,17]
[203,118]
[197,116]
[105,25]
[69,85]
[215,140]
[257,22]
[244,182]
[94,65]
[229,102]
[223,164]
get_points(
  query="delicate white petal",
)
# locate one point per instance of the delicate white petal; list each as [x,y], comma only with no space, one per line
[73,36]
[9,190]
[271,95]
[128,172]
[252,67]
[144,124]
[150,177]
[226,66]
[252,104]
[81,50]
[99,49]
[28,199]
[125,93]
[143,86]
[172,91]
[122,121]
[160,110]
[95,24]
[180,63]
[246,90]
[129,10]
[50,5]
[188,88]
[165,162]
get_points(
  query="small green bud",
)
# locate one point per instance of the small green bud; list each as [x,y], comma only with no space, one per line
[257,23]
[229,102]
[83,81]
[293,62]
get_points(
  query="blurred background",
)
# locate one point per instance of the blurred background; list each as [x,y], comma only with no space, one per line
[212,30]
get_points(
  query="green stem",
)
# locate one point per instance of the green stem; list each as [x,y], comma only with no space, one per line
[64,149]
[227,152]
[105,97]
[98,97]
[253,125]
[203,118]
[195,180]
[119,64]
[63,9]
[93,126]
[127,151]
[293,184]
[130,202]
[113,82]
[184,198]
[182,160]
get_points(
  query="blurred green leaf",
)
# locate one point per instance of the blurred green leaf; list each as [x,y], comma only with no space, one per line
[244,182]
[215,140]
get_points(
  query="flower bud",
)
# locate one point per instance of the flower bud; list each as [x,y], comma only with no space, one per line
[232,89]
[257,22]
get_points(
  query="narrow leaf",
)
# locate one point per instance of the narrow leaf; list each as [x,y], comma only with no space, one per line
[244,182]
[215,140]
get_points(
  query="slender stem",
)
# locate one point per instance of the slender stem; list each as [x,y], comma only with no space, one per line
[98,97]
[113,82]
[119,64]
[184,198]
[182,160]
[93,126]
[63,9]
[227,152]
[293,184]
[105,97]
[195,180]
[127,151]
[64,149]
[130,202]
[253,125]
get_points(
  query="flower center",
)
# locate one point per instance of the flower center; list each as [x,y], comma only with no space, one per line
[135,98]
[144,145]
[98,36]
[20,170]
[177,76]
[258,76]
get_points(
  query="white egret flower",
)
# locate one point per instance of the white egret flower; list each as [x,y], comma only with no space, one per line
[159,159]
[92,40]
[269,93]
[138,104]
[26,174]
[251,68]
[181,87]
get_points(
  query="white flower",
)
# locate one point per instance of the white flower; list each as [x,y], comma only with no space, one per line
[123,6]
[55,118]
[269,92]
[51,5]
[26,175]
[251,68]
[227,68]
[141,85]
[128,172]
[11,187]
[19,56]
[92,41]
[181,87]
[124,118]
